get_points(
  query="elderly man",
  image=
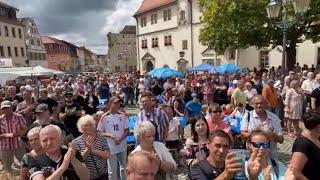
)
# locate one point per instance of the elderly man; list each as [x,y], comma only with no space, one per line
[238,96]
[12,125]
[57,162]
[13,97]
[142,165]
[43,119]
[261,119]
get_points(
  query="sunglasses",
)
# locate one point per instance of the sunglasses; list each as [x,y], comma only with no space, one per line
[217,111]
[264,145]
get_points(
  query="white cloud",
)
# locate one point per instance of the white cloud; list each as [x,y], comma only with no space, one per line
[121,16]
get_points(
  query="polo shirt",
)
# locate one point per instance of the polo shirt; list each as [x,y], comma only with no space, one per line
[193,108]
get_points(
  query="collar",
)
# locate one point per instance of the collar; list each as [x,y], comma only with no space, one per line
[255,115]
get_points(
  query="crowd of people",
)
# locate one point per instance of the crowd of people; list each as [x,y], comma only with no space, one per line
[215,126]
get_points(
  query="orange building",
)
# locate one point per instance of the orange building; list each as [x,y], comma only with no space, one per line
[58,55]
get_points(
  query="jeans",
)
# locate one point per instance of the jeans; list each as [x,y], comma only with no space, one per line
[115,159]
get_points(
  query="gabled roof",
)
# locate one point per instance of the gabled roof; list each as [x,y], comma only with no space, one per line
[51,40]
[128,30]
[148,5]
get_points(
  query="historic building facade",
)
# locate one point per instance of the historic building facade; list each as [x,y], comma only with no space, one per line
[36,52]
[12,38]
[122,52]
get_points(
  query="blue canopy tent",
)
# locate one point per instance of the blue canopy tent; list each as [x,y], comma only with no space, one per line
[165,73]
[229,69]
[202,67]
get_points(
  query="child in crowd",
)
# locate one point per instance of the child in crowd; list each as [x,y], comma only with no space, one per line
[174,131]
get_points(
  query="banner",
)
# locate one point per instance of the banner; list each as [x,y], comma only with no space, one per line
[5,62]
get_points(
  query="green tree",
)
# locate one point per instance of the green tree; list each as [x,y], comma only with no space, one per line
[244,23]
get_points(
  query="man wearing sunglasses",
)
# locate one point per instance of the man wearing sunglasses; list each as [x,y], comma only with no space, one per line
[261,119]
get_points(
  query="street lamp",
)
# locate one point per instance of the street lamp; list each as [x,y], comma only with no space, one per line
[273,10]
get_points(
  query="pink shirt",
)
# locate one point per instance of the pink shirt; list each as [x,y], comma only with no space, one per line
[219,126]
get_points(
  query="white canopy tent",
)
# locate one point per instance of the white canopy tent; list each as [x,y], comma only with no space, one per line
[7,74]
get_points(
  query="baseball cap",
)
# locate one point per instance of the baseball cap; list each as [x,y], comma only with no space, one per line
[6,104]
[114,99]
[42,108]
[235,81]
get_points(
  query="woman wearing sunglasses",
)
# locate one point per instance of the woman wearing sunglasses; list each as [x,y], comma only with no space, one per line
[216,122]
[260,165]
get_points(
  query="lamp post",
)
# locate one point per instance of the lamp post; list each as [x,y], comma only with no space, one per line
[274,8]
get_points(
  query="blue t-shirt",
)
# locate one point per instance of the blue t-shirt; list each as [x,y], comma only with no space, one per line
[193,108]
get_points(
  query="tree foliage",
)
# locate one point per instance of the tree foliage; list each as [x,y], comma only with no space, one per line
[244,23]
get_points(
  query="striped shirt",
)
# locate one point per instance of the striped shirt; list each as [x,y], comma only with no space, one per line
[156,117]
[96,165]
[14,124]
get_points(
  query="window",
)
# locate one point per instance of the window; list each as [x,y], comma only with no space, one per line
[13,30]
[167,40]
[143,21]
[185,44]
[264,59]
[182,15]
[117,68]
[167,15]
[38,42]
[144,44]
[16,51]
[120,57]
[22,51]
[51,47]
[1,51]
[20,33]
[9,51]
[6,31]
[155,42]
[154,18]
[318,56]
[232,54]
[32,41]
[0,29]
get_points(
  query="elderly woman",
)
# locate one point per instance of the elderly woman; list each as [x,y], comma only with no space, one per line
[93,148]
[27,159]
[145,133]
[260,166]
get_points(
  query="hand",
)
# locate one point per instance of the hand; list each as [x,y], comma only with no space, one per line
[72,149]
[267,172]
[290,175]
[273,136]
[118,141]
[67,159]
[232,166]
[8,135]
[254,164]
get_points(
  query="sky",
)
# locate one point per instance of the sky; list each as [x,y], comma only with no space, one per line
[81,22]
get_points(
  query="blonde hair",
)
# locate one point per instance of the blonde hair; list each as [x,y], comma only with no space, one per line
[34,131]
[132,159]
[87,119]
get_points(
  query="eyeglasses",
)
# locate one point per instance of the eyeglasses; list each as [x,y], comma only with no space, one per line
[217,111]
[264,145]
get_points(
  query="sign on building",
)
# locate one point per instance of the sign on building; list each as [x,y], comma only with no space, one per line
[5,62]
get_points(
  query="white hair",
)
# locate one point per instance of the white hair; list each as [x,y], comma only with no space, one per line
[34,131]
[51,127]
[87,119]
[142,128]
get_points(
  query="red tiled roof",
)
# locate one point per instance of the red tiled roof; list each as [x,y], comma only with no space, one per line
[148,5]
[50,40]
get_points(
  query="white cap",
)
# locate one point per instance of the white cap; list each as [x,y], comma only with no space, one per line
[235,81]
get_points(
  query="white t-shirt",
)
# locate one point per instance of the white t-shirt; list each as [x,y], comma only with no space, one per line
[251,93]
[115,124]
[173,133]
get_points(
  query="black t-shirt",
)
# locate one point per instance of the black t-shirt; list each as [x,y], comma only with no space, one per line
[79,100]
[44,165]
[316,94]
[203,170]
[63,128]
[312,152]
[71,119]
[50,102]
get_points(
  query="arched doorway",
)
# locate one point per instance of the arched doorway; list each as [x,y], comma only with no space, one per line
[149,66]
[182,65]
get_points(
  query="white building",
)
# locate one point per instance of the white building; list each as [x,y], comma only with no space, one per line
[36,52]
[168,31]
